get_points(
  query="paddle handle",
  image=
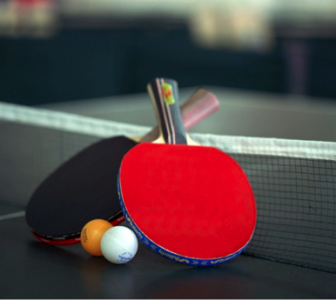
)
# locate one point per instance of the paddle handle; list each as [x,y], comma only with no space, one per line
[198,107]
[164,95]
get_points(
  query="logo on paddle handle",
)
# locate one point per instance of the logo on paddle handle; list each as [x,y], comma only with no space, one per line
[167,92]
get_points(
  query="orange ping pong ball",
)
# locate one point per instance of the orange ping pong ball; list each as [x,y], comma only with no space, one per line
[92,234]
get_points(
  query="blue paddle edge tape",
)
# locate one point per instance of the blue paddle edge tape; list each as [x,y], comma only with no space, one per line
[170,255]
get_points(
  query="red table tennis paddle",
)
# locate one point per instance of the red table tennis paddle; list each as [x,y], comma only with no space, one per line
[84,187]
[191,204]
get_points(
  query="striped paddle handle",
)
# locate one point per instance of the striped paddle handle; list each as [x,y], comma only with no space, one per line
[198,107]
[164,95]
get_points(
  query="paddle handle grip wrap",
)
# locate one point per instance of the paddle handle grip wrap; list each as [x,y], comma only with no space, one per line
[164,95]
[199,106]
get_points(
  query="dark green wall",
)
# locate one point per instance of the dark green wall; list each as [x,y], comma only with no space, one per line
[80,64]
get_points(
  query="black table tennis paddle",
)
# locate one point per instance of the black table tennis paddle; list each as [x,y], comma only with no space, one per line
[84,187]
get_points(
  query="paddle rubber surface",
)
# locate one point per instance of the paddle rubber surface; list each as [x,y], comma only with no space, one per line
[62,205]
[197,200]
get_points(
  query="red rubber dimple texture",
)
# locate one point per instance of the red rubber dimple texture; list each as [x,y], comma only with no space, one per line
[191,200]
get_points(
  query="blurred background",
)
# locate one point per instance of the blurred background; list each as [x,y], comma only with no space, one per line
[67,50]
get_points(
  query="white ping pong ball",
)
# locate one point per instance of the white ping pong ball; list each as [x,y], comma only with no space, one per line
[119,244]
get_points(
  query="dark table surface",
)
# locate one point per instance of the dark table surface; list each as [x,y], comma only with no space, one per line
[31,269]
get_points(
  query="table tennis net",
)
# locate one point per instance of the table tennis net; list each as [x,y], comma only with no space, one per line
[293,181]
